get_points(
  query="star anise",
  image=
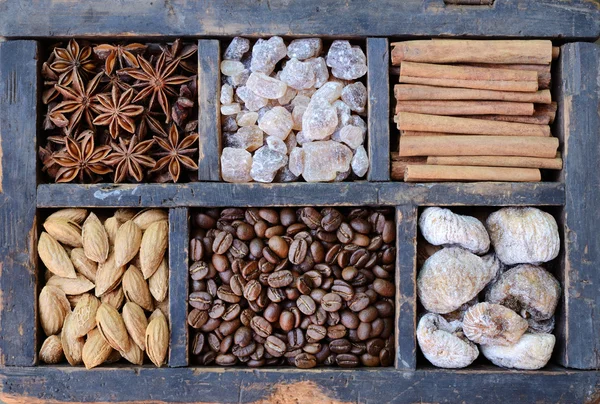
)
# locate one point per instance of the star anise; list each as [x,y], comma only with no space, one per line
[125,54]
[72,61]
[184,104]
[176,153]
[79,101]
[181,52]
[156,82]
[148,121]
[81,160]
[116,111]
[61,139]
[115,79]
[129,157]
[50,79]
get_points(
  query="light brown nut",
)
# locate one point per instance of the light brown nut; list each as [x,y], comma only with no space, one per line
[95,239]
[52,351]
[159,281]
[149,216]
[136,288]
[527,289]
[108,276]
[64,231]
[136,323]
[72,345]
[127,242]
[157,338]
[95,350]
[123,214]
[153,247]
[83,264]
[111,326]
[112,226]
[443,344]
[441,226]
[533,351]
[70,286]
[134,355]
[450,278]
[523,235]
[53,308]
[54,256]
[73,300]
[115,298]
[76,215]
[493,324]
[84,315]
[164,308]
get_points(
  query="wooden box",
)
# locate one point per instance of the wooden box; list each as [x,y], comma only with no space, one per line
[574,374]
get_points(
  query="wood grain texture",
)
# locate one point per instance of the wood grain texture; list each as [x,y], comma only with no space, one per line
[299,194]
[406,295]
[209,116]
[578,123]
[378,105]
[18,235]
[179,236]
[507,18]
[143,385]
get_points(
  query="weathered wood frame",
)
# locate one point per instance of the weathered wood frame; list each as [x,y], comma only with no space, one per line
[576,194]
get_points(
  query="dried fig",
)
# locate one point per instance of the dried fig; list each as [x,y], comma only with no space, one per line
[443,343]
[541,326]
[459,314]
[493,324]
[441,226]
[532,352]
[523,235]
[450,278]
[527,289]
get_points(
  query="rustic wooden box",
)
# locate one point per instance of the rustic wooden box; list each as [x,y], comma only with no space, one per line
[573,375]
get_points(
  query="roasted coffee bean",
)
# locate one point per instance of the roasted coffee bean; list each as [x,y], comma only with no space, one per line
[270,256]
[274,231]
[384,288]
[379,272]
[211,287]
[343,258]
[258,353]
[197,318]
[368,314]
[246,350]
[358,348]
[363,331]
[331,221]
[336,331]
[297,251]
[349,319]
[339,346]
[377,327]
[296,338]
[261,326]
[260,228]
[304,285]
[217,309]
[312,348]
[347,360]
[275,295]
[270,215]
[200,300]
[214,342]
[384,308]
[360,240]
[287,216]
[198,344]
[239,249]
[226,360]
[286,321]
[272,312]
[242,336]
[237,284]
[305,361]
[311,217]
[204,221]
[359,302]
[275,346]
[360,258]
[198,286]
[385,357]
[345,233]
[245,232]
[252,290]
[375,345]
[316,332]
[208,358]
[226,294]
[333,318]
[306,305]
[279,246]
[222,242]
[229,327]
[211,325]
[199,270]
[231,312]
[226,344]
[349,273]
[330,360]
[220,262]
[360,225]
[280,279]
[369,360]
[343,289]
[196,250]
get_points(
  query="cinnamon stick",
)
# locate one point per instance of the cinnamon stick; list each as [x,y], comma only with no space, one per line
[543,71]
[450,124]
[419,92]
[547,109]
[543,114]
[498,161]
[555,52]
[469,77]
[473,51]
[525,146]
[465,107]
[427,173]
[417,133]
[399,165]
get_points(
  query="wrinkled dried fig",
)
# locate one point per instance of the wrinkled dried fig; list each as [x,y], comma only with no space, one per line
[527,289]
[523,235]
[532,352]
[443,343]
[441,226]
[450,278]
[459,314]
[493,324]
[541,326]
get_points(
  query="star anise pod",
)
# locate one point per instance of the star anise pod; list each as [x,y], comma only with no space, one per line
[185,102]
[115,79]
[180,51]
[50,79]
[130,157]
[156,82]
[148,121]
[125,54]
[116,111]
[72,61]
[176,153]
[61,139]
[81,160]
[79,101]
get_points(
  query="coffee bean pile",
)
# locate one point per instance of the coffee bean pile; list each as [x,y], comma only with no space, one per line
[303,287]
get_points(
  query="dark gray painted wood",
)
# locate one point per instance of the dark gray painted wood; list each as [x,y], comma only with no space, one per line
[378,105]
[506,18]
[579,123]
[300,194]
[209,116]
[179,236]
[18,235]
[406,296]
[143,384]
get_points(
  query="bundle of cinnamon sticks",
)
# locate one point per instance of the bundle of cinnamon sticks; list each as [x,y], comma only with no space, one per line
[474,110]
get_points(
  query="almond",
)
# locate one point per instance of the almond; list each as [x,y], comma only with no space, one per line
[111,326]
[153,247]
[73,214]
[53,308]
[127,242]
[136,289]
[76,286]
[134,354]
[96,350]
[159,281]
[73,300]
[115,356]
[84,315]
[112,226]
[136,323]
[108,276]
[157,338]
[64,231]
[148,216]
[115,298]
[72,345]
[163,307]
[54,257]
[52,351]
[95,239]
[83,264]
[123,214]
